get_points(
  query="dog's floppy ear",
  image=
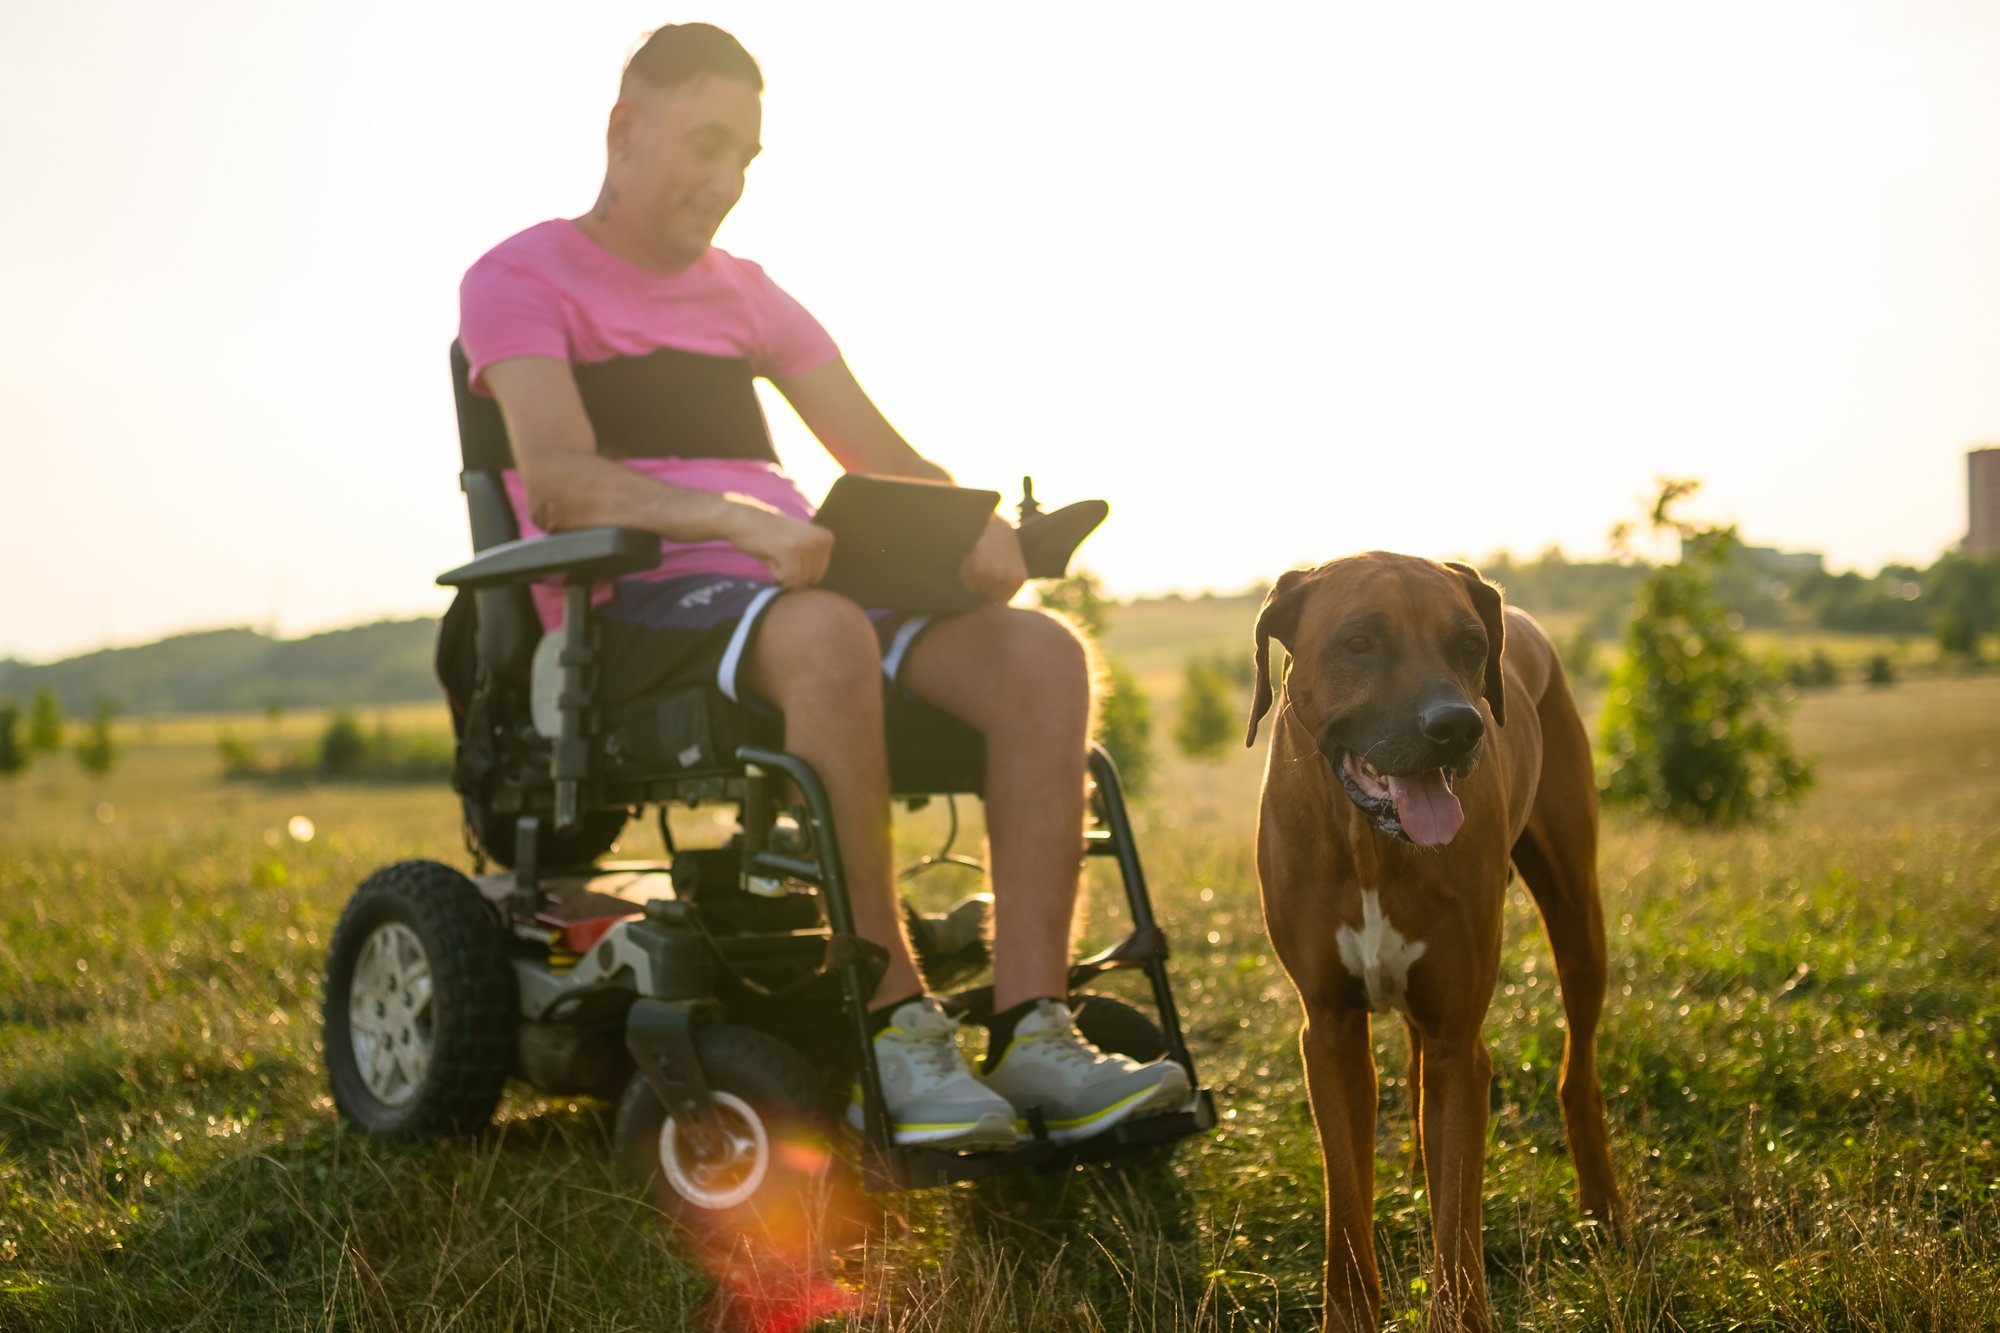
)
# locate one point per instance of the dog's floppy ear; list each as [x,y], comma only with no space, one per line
[1279,619]
[1486,601]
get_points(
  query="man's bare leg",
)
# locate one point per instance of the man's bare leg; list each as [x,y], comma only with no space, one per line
[1023,679]
[816,657]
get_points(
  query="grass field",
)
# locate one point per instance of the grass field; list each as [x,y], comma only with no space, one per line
[1799,1054]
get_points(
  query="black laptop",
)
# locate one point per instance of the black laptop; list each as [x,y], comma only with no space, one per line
[898,542]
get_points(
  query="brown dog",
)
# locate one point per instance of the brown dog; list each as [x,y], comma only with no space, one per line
[1411,759]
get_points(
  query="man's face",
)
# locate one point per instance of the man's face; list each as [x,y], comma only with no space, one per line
[677,160]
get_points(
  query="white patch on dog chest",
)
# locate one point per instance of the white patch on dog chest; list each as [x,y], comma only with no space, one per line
[1379,955]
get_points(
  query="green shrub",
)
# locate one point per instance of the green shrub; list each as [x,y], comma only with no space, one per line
[1124,718]
[1208,716]
[96,749]
[45,724]
[343,747]
[13,752]
[1881,670]
[1125,725]
[1812,673]
[1693,727]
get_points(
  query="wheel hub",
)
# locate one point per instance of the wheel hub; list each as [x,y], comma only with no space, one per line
[721,1160]
[389,1018]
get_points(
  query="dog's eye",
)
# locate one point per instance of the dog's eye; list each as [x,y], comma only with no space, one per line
[1359,643]
[1472,647]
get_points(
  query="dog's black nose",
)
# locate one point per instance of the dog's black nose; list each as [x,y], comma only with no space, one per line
[1456,724]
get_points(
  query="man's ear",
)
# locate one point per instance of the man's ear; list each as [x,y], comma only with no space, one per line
[1278,619]
[1486,601]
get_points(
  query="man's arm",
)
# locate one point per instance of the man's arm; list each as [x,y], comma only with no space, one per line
[834,407]
[569,486]
[832,404]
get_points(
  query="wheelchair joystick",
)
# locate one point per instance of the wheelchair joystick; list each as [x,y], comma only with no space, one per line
[1029,509]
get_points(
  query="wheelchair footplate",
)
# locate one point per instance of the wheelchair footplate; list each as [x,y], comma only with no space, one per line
[902,1168]
[579,910]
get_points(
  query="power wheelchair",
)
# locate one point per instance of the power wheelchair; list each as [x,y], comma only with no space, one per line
[717,995]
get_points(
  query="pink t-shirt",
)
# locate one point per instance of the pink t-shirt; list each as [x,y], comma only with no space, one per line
[551,291]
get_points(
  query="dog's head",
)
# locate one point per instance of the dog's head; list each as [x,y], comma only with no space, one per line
[1390,654]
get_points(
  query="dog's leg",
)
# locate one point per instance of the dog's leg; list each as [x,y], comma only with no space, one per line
[1557,857]
[1416,1076]
[1458,1077]
[1340,1078]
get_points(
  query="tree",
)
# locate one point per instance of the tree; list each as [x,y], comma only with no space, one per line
[1694,727]
[1207,720]
[1079,598]
[97,749]
[343,747]
[1124,718]
[45,723]
[13,752]
[1579,655]
[1965,590]
[1125,725]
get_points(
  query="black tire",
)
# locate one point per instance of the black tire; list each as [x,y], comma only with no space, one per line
[1115,1026]
[448,1052]
[594,836]
[780,1187]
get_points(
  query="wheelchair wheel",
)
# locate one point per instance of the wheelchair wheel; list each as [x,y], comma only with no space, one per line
[594,836]
[760,1166]
[1114,1026]
[419,1011]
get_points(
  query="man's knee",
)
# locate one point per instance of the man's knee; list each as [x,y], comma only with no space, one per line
[815,645]
[1045,659]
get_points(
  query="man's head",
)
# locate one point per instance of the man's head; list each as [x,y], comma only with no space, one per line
[685,127]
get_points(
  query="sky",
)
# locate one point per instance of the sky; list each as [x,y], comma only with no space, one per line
[1281,282]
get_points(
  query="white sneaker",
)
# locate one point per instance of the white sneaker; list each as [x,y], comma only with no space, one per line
[932,1096]
[1081,1090]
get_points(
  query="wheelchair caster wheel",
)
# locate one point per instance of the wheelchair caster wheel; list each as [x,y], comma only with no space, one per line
[419,1013]
[758,1165]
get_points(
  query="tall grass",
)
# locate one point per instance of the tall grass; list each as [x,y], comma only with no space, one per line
[1799,1053]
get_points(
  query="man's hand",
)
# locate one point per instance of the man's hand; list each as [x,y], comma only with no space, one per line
[994,568]
[796,551]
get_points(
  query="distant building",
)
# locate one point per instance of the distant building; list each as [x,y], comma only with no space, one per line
[1770,560]
[1982,498]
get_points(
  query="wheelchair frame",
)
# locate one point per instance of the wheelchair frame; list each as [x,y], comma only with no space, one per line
[652,971]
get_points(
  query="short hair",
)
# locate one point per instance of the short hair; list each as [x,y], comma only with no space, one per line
[672,55]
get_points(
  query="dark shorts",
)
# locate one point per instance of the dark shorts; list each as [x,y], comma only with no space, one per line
[665,634]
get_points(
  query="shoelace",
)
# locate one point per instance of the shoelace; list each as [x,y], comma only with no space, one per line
[1064,1044]
[933,1051]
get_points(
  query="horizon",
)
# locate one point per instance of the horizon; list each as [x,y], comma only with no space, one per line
[1278,286]
[1255,588]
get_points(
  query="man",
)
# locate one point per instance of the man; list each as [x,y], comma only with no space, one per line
[621,346]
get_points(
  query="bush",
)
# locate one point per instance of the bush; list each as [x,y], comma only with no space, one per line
[345,752]
[1579,656]
[1693,727]
[1208,715]
[1124,718]
[1880,671]
[45,724]
[343,748]
[238,759]
[96,750]
[1812,673]
[1125,725]
[13,752]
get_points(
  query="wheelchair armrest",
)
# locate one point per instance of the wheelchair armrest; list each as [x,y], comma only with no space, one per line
[585,555]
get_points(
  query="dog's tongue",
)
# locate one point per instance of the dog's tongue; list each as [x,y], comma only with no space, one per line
[1430,813]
